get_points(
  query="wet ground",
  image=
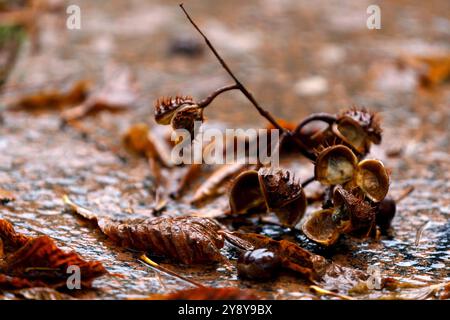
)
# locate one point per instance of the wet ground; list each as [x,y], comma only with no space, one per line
[297,57]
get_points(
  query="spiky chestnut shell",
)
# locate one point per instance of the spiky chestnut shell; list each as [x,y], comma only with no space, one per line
[279,186]
[335,165]
[321,228]
[165,107]
[179,112]
[284,194]
[352,213]
[369,122]
[271,189]
[185,118]
[373,179]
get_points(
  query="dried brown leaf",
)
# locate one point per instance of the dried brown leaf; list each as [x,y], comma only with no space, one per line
[30,262]
[53,99]
[119,93]
[211,186]
[184,239]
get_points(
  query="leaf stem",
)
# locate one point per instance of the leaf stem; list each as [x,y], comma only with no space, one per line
[146,260]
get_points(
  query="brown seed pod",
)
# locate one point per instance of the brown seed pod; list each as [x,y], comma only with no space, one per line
[269,189]
[335,165]
[352,134]
[368,121]
[166,107]
[372,178]
[259,264]
[321,228]
[214,184]
[185,118]
[179,112]
[356,128]
[283,194]
[385,213]
[246,194]
[352,214]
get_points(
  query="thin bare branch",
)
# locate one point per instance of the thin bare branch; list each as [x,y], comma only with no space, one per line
[244,90]
[205,102]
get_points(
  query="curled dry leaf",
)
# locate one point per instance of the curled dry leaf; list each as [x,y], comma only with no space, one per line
[139,139]
[431,70]
[183,183]
[292,256]
[54,98]
[11,283]
[207,293]
[119,93]
[399,290]
[38,262]
[188,240]
[215,181]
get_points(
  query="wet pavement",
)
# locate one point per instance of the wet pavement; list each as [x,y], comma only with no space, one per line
[297,57]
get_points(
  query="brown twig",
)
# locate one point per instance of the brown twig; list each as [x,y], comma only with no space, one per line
[266,114]
[322,116]
[308,181]
[239,85]
[406,192]
[205,102]
[302,147]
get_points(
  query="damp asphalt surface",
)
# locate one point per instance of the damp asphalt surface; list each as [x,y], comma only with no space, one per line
[297,57]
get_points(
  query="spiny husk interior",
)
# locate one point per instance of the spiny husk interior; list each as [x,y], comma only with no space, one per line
[321,228]
[373,179]
[335,165]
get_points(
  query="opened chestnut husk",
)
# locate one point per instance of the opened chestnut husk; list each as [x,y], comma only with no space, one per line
[335,165]
[372,178]
[352,213]
[269,189]
[179,112]
[321,228]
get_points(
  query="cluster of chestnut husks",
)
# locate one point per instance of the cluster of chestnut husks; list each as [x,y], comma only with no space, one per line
[354,128]
[358,188]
